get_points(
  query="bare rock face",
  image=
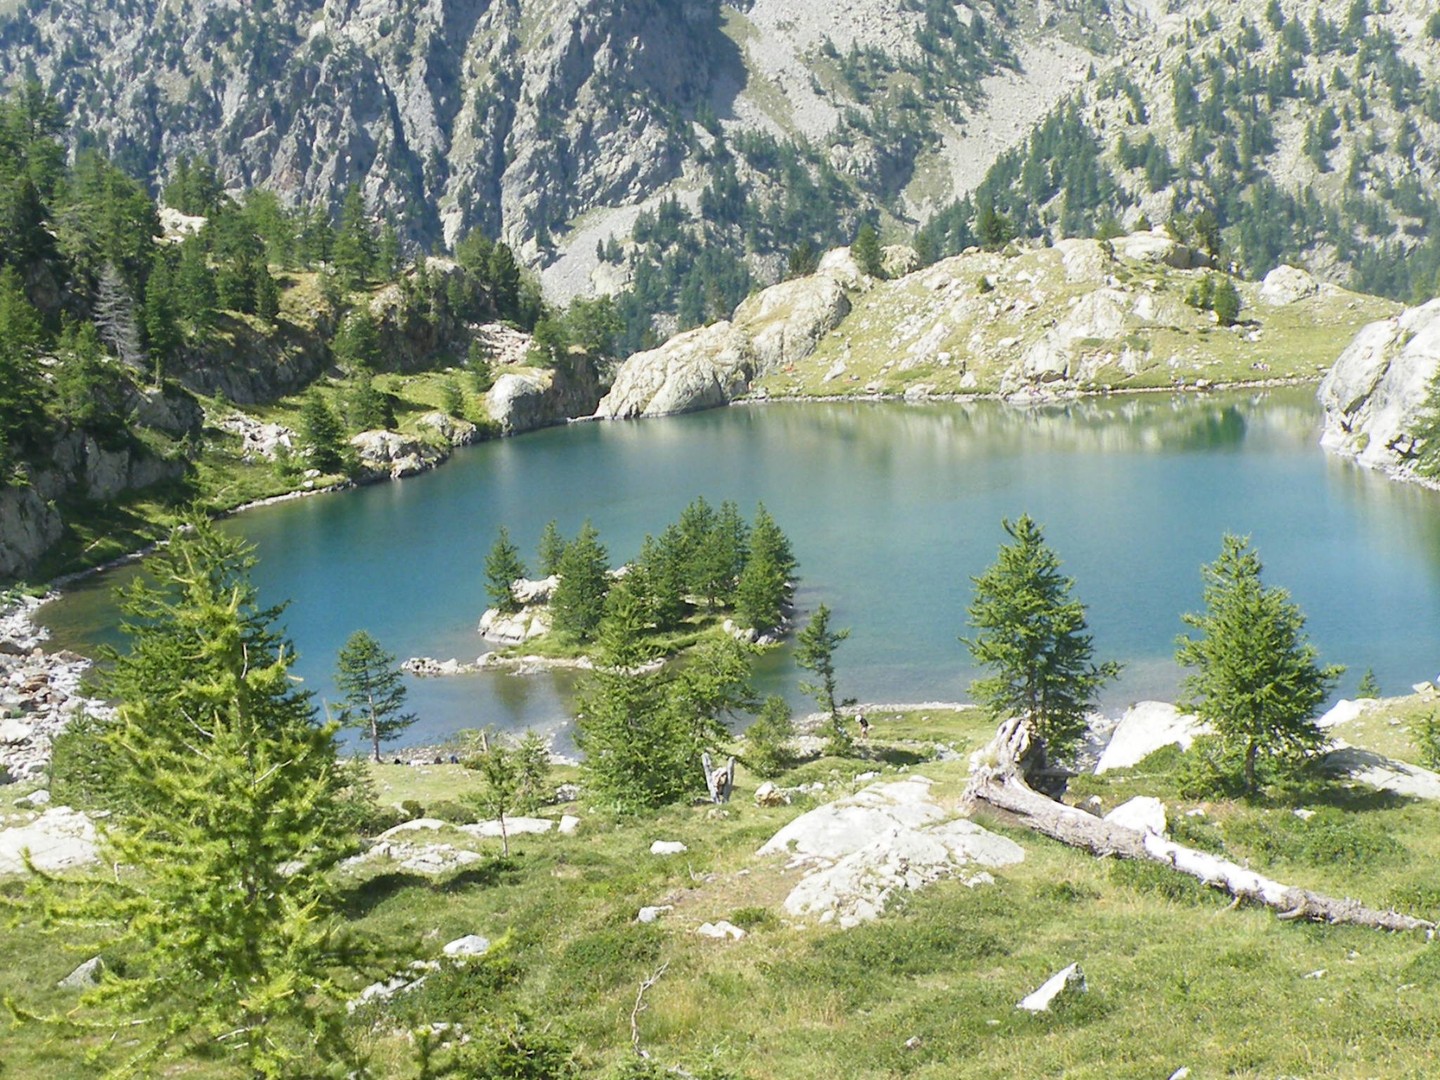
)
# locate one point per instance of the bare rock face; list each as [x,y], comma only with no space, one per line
[524,399]
[1287,285]
[390,454]
[1374,397]
[703,368]
[787,321]
[695,370]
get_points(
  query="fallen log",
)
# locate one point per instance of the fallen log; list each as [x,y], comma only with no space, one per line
[997,780]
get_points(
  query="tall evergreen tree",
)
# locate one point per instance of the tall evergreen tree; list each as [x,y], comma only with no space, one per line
[551,549]
[1256,681]
[226,914]
[867,253]
[1032,634]
[578,603]
[815,652]
[321,434]
[353,254]
[374,690]
[503,568]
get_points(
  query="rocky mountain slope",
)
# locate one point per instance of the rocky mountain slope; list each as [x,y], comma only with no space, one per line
[1379,399]
[524,116]
[1284,131]
[1027,323]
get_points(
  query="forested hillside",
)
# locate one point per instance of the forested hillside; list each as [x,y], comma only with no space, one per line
[1299,132]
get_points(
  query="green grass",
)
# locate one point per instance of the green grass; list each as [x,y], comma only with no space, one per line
[1176,976]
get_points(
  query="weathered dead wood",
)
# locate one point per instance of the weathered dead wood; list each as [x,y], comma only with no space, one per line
[996,781]
[720,782]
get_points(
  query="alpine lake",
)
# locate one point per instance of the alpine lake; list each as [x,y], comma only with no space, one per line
[892,509]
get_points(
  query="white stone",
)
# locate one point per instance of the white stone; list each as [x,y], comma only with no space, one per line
[767,794]
[1342,712]
[668,847]
[1287,284]
[1385,774]
[1145,728]
[721,929]
[569,824]
[652,914]
[1142,813]
[514,826]
[13,732]
[34,799]
[423,824]
[85,976]
[1303,814]
[469,945]
[59,839]
[836,829]
[1063,983]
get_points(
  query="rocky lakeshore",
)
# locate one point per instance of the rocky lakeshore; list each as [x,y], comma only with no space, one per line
[40,692]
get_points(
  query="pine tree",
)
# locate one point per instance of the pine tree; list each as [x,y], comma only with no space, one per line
[551,549]
[366,407]
[639,752]
[374,690]
[767,740]
[357,342]
[866,250]
[226,913]
[578,603]
[1256,679]
[267,294]
[1032,635]
[815,652]
[502,569]
[1226,302]
[321,434]
[354,249]
[162,325]
[765,586]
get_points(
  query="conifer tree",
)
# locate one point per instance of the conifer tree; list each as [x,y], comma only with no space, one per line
[502,569]
[866,251]
[578,603]
[354,248]
[815,652]
[1032,634]
[639,752]
[321,434]
[225,913]
[1256,680]
[374,690]
[551,549]
[366,407]
[767,750]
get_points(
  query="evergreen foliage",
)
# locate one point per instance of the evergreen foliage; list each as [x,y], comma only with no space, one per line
[578,603]
[866,251]
[1256,680]
[236,944]
[767,749]
[321,434]
[374,690]
[551,548]
[1032,635]
[503,568]
[815,652]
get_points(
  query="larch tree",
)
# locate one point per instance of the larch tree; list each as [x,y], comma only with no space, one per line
[1256,681]
[578,603]
[1032,635]
[222,903]
[502,569]
[815,652]
[374,690]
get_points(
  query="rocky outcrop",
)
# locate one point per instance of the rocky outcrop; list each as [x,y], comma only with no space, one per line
[772,331]
[1287,285]
[524,399]
[1375,397]
[865,849]
[389,455]
[699,369]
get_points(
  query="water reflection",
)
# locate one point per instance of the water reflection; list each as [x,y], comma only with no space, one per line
[892,509]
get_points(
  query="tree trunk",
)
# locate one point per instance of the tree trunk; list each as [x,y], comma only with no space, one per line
[998,783]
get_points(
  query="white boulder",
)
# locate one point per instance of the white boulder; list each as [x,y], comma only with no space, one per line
[836,829]
[1287,285]
[1142,813]
[721,930]
[1066,983]
[514,826]
[668,847]
[59,839]
[469,945]
[85,976]
[1145,728]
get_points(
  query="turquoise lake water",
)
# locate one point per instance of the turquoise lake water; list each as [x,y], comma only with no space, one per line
[891,508]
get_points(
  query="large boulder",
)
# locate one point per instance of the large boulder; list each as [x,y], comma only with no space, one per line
[389,454]
[1287,285]
[699,369]
[1145,728]
[862,850]
[1159,247]
[59,839]
[787,321]
[1375,395]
